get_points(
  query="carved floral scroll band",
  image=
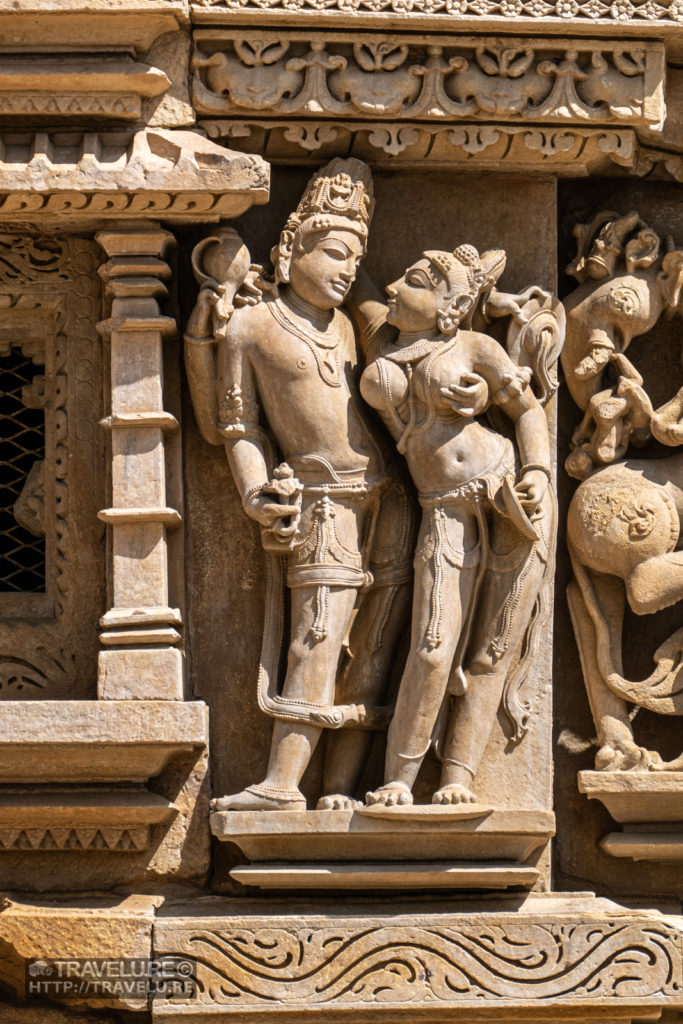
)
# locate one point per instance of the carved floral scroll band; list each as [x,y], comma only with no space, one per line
[369,78]
[400,963]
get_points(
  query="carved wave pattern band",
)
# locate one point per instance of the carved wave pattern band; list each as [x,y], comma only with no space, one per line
[567,10]
[623,960]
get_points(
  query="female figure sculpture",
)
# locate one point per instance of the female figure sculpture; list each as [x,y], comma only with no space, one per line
[488,513]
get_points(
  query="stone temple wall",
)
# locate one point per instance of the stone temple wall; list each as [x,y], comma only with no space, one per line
[341,561]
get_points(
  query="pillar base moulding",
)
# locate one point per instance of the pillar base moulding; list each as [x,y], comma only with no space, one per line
[60,759]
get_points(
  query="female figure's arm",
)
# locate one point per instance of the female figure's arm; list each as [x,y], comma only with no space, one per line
[511,392]
[531,429]
[368,309]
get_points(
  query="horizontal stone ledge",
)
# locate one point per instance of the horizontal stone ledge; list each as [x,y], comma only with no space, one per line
[352,835]
[403,876]
[85,821]
[140,637]
[96,741]
[143,420]
[152,615]
[636,797]
[165,325]
[126,516]
[655,846]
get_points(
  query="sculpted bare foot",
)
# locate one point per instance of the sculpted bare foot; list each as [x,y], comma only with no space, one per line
[391,795]
[626,756]
[454,794]
[256,798]
[336,802]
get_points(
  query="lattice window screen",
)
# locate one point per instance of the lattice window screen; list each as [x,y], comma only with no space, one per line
[22,445]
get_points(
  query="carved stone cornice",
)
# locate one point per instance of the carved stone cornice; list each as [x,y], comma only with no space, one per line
[561,151]
[577,957]
[85,178]
[646,18]
[433,78]
[66,86]
[103,24]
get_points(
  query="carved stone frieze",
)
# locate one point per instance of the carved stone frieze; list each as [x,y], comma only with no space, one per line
[428,78]
[548,14]
[114,840]
[378,964]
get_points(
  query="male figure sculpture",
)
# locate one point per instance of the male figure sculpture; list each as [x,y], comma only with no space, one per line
[289,359]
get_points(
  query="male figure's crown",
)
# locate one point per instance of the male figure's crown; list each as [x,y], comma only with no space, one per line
[341,189]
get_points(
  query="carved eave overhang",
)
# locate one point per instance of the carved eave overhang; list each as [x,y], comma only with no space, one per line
[84,179]
[68,86]
[91,24]
[596,19]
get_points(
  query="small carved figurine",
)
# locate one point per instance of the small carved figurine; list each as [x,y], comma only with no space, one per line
[623,528]
[316,480]
[488,512]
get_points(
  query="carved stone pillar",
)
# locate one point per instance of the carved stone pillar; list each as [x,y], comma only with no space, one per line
[140,658]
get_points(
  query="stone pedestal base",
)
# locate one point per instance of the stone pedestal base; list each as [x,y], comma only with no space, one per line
[648,805]
[402,848]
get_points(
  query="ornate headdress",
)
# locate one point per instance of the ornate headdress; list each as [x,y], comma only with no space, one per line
[465,267]
[451,266]
[339,195]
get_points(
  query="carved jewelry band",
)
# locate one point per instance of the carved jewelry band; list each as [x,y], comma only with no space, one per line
[530,466]
[192,340]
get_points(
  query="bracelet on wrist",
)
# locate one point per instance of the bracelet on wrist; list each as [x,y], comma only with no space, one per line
[529,466]
[191,339]
[251,492]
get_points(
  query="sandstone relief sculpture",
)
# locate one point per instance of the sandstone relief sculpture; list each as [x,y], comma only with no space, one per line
[487,536]
[331,498]
[333,509]
[623,527]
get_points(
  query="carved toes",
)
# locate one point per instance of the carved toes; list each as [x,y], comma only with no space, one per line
[394,794]
[454,794]
[337,802]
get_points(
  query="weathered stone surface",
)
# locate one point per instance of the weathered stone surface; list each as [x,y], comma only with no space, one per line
[111,928]
[90,179]
[89,741]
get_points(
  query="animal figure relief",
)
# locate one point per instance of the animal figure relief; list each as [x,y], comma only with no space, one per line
[624,522]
